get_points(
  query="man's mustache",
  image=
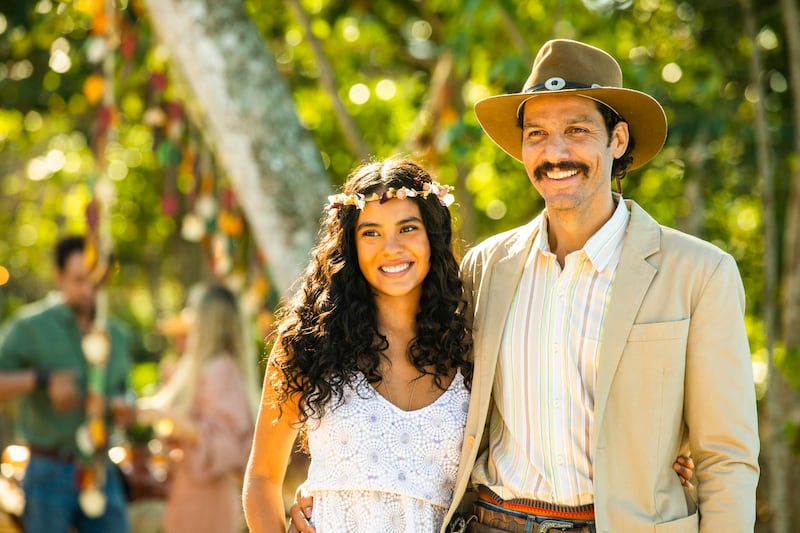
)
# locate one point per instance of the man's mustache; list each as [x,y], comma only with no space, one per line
[544,168]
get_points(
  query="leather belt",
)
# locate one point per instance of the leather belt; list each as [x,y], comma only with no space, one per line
[64,455]
[534,507]
[529,516]
[493,521]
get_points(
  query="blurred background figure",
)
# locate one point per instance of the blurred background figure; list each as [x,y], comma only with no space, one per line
[205,412]
[42,362]
[175,329]
[146,467]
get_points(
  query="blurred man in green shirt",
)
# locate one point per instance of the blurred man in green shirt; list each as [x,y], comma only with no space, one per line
[42,363]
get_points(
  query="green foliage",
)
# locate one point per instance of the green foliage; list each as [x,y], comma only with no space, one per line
[143,376]
[139,434]
[692,57]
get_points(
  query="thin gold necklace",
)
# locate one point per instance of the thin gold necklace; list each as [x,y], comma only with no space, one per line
[410,396]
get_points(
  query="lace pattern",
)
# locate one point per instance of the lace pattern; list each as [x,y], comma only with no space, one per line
[375,467]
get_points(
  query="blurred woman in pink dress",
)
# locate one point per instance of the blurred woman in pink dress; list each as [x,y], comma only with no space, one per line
[205,412]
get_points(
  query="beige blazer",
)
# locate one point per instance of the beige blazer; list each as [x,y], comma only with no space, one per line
[674,374]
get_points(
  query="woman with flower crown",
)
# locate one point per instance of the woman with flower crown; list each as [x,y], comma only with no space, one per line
[371,360]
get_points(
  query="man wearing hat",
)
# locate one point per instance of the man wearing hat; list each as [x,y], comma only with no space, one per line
[605,344]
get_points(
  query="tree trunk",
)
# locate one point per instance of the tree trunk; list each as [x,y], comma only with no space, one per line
[791,265]
[251,120]
[696,167]
[791,237]
[777,448]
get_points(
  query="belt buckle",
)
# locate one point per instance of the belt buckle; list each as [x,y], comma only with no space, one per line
[459,524]
[560,525]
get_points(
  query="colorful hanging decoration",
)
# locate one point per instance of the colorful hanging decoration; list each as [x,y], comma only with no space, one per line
[195,191]
[92,436]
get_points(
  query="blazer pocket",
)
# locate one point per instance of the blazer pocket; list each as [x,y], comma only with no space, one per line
[659,331]
[687,524]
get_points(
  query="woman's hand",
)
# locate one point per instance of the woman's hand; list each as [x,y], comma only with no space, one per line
[168,425]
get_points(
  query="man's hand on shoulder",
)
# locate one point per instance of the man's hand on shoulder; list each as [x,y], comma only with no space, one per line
[300,512]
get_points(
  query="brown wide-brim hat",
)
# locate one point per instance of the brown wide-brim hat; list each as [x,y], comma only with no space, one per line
[574,68]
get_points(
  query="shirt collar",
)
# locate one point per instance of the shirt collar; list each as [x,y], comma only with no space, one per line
[600,247]
[63,311]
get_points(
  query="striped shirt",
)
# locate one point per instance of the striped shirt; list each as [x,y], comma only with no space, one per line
[542,419]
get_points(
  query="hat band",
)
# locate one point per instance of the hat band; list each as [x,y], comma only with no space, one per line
[557,84]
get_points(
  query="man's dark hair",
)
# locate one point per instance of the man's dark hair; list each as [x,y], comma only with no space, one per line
[611,118]
[620,166]
[67,246]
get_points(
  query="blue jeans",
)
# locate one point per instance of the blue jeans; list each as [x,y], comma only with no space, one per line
[51,500]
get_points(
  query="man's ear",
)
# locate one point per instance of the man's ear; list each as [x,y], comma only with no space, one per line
[620,136]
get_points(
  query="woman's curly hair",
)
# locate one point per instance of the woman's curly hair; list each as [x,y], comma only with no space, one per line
[328,332]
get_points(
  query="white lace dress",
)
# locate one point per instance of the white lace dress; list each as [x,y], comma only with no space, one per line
[377,468]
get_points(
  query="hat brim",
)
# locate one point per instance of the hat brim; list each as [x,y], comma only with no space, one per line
[646,120]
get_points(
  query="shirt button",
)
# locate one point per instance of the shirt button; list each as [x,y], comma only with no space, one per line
[556,403]
[469,442]
[560,459]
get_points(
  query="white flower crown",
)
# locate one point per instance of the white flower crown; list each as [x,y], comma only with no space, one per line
[442,192]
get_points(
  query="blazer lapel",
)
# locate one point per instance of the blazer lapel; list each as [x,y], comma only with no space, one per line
[631,281]
[496,290]
[503,281]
